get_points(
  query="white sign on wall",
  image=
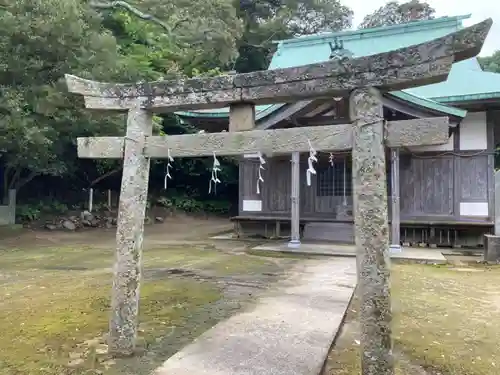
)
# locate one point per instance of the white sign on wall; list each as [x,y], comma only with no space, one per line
[252,205]
[474,209]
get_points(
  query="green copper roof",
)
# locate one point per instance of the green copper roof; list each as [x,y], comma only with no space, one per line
[430,104]
[316,48]
[466,82]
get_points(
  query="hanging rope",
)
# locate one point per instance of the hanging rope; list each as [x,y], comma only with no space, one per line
[214,179]
[310,162]
[260,179]
[170,159]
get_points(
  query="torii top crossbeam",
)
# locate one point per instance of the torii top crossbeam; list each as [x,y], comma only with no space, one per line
[407,67]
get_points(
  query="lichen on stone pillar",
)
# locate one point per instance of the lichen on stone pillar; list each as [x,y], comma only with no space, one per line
[129,236]
[371,231]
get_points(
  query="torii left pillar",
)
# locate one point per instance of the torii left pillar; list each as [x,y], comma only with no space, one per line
[129,235]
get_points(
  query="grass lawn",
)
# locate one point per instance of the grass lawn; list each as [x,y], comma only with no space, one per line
[445,322]
[54,305]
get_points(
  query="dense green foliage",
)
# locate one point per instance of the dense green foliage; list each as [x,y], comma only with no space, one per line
[41,40]
[266,21]
[491,63]
[394,13]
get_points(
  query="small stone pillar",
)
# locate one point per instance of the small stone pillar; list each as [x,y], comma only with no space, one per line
[492,248]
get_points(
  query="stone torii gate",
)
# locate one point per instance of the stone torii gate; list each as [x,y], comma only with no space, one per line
[361,79]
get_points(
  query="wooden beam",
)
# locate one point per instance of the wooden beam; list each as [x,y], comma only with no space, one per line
[395,204]
[295,201]
[416,65]
[432,131]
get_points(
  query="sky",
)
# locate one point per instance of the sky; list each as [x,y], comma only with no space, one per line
[479,10]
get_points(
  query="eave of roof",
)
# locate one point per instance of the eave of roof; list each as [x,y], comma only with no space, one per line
[429,104]
[288,54]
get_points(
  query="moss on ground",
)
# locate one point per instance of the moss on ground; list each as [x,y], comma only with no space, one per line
[54,308]
[444,323]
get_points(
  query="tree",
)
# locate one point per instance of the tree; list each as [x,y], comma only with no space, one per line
[40,40]
[491,63]
[394,13]
[179,36]
[268,20]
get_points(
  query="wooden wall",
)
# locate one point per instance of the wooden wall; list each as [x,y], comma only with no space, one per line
[453,184]
[275,191]
[431,186]
[434,186]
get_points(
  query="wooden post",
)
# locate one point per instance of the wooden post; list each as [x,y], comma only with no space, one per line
[371,231]
[395,207]
[295,197]
[129,235]
[496,200]
[91,199]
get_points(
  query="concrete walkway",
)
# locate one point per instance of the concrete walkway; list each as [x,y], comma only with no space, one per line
[289,331]
[412,254]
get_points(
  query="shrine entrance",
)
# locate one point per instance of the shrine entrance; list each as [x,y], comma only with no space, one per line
[360,79]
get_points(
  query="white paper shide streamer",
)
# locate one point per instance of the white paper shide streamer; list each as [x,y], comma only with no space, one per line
[168,176]
[260,179]
[331,160]
[215,179]
[310,162]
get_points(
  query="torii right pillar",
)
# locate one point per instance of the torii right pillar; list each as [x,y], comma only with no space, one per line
[371,231]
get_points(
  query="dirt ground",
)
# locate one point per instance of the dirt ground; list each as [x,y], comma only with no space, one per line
[445,323]
[180,227]
[55,293]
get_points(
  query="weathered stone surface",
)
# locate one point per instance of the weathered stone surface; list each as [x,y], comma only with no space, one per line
[406,67]
[492,248]
[431,131]
[129,236]
[101,147]
[241,117]
[86,215]
[68,225]
[423,131]
[371,231]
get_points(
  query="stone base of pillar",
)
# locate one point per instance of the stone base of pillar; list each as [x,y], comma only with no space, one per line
[491,248]
[395,248]
[294,244]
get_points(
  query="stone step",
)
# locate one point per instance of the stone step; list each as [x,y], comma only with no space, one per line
[334,232]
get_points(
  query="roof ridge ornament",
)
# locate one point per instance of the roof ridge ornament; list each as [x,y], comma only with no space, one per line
[337,50]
